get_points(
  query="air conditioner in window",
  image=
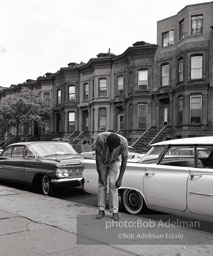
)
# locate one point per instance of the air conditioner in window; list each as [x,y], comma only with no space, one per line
[102,128]
[142,87]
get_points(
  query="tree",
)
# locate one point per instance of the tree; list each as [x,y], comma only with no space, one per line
[23,108]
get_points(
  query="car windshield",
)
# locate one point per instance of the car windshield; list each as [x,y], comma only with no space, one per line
[53,149]
[152,155]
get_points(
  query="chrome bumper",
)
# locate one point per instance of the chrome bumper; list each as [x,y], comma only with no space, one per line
[65,180]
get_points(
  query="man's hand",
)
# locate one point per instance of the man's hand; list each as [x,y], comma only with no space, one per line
[118,183]
[102,181]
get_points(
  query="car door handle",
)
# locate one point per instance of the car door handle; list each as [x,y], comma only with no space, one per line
[192,176]
[150,174]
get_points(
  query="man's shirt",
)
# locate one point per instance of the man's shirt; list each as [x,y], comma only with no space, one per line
[108,157]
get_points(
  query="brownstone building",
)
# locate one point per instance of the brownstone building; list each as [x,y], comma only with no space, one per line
[150,92]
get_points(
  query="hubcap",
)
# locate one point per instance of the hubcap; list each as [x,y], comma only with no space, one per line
[46,185]
[133,200]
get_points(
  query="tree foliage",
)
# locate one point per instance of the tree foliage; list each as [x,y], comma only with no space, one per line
[23,108]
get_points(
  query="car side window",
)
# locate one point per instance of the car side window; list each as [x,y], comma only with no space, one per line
[179,156]
[7,152]
[18,151]
[205,155]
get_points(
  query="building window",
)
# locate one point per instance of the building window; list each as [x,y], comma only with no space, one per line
[85,91]
[46,96]
[168,38]
[59,97]
[130,117]
[142,116]
[71,93]
[102,90]
[165,75]
[93,119]
[130,81]
[181,30]
[102,119]
[197,25]
[196,109]
[93,88]
[71,121]
[142,80]
[120,85]
[180,70]
[180,110]
[196,67]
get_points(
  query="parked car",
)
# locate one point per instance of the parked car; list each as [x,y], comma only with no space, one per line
[133,155]
[42,164]
[175,176]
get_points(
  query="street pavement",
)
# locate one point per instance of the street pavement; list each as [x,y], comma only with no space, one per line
[36,225]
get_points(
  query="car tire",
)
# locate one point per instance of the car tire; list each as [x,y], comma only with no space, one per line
[133,201]
[46,186]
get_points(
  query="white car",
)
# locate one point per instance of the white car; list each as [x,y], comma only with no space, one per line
[175,176]
[133,155]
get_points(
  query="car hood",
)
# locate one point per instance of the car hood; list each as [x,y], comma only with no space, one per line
[65,159]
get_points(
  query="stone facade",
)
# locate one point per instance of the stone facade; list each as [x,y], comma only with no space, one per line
[167,84]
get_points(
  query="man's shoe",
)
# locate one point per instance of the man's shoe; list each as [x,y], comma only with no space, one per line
[100,215]
[115,216]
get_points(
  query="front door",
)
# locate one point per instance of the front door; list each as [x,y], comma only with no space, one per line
[164,114]
[165,186]
[85,121]
[58,122]
[200,191]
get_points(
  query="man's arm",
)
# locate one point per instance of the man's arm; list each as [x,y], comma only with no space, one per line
[98,159]
[124,158]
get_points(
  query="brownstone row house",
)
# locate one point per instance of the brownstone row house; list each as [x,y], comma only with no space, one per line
[148,93]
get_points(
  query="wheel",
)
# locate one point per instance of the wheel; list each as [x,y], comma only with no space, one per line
[46,186]
[132,201]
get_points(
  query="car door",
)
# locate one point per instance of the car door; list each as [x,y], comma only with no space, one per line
[15,165]
[200,191]
[165,184]
[3,158]
[200,187]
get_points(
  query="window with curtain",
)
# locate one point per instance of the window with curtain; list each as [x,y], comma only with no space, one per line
[180,70]
[180,110]
[59,96]
[165,75]
[71,92]
[71,121]
[196,67]
[142,79]
[120,85]
[93,88]
[102,119]
[130,81]
[181,30]
[142,116]
[168,38]
[195,109]
[85,91]
[197,25]
[102,89]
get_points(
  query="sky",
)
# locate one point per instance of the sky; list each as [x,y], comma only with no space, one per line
[40,36]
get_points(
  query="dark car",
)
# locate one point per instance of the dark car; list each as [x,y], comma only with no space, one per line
[43,164]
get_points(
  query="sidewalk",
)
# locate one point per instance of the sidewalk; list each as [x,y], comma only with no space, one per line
[37,225]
